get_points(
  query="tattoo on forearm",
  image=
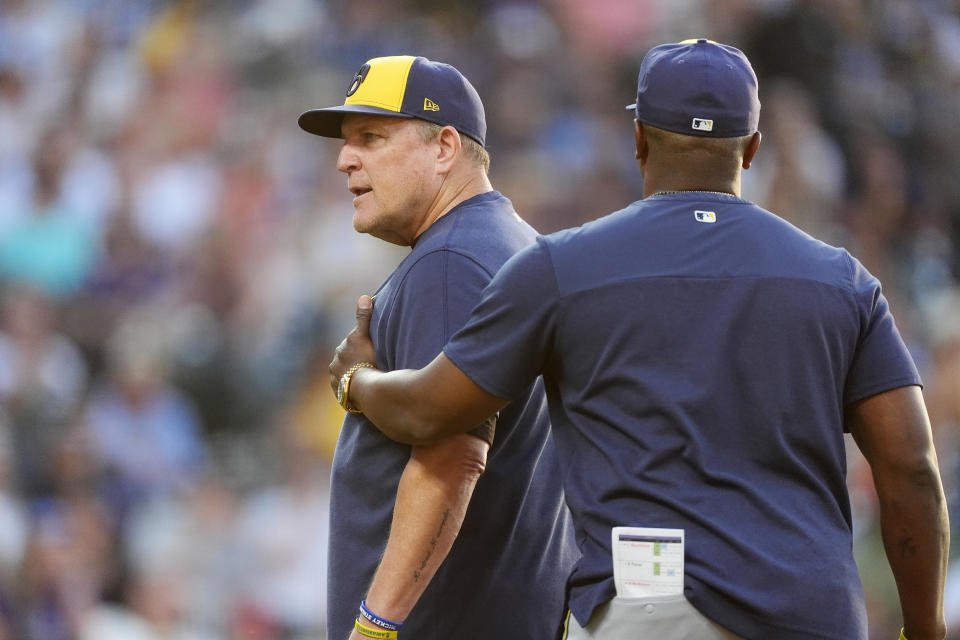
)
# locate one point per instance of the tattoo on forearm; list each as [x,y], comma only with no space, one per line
[908,548]
[433,544]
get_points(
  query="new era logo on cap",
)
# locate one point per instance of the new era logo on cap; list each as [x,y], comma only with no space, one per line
[430,105]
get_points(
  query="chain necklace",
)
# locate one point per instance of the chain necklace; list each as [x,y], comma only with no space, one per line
[667,193]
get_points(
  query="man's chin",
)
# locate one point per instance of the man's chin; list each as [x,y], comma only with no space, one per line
[361,223]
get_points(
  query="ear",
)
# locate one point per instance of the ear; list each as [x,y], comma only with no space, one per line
[641,141]
[448,148]
[751,150]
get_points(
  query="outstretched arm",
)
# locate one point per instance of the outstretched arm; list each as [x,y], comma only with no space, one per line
[418,406]
[893,432]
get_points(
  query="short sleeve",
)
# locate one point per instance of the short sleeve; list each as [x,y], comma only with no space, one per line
[432,302]
[507,341]
[881,361]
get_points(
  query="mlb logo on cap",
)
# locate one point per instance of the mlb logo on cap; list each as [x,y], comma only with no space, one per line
[702,124]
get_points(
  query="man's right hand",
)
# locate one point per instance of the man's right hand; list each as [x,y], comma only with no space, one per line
[356,347]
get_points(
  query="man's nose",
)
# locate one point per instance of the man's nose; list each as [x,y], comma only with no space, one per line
[347,160]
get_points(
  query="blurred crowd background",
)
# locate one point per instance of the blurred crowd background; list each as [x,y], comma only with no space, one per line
[177,261]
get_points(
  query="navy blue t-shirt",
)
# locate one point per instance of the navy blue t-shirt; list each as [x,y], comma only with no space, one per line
[506,574]
[698,352]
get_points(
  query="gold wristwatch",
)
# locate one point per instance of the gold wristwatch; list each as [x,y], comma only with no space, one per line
[343,389]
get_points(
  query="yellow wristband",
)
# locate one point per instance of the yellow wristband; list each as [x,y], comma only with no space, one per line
[902,636]
[367,632]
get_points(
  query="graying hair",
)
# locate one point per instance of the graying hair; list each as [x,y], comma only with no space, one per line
[430,130]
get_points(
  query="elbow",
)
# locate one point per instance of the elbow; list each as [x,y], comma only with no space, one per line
[915,467]
[474,463]
[922,473]
[926,477]
[463,470]
[470,460]
[911,482]
[459,461]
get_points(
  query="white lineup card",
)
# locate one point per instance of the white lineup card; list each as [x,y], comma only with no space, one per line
[647,562]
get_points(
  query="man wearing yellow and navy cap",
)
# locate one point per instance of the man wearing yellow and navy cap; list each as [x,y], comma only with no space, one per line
[407,559]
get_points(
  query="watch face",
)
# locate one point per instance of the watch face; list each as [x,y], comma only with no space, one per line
[340,388]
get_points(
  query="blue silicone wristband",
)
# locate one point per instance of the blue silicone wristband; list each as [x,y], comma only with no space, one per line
[383,623]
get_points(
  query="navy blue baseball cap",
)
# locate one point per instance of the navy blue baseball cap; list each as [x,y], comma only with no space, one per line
[405,87]
[699,88]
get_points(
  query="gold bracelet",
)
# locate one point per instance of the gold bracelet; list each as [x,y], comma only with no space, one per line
[343,389]
[367,632]
[902,635]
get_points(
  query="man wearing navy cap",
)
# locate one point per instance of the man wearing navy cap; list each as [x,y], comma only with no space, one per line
[703,359]
[402,540]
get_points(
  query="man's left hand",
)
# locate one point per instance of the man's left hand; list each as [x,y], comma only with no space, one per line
[356,347]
